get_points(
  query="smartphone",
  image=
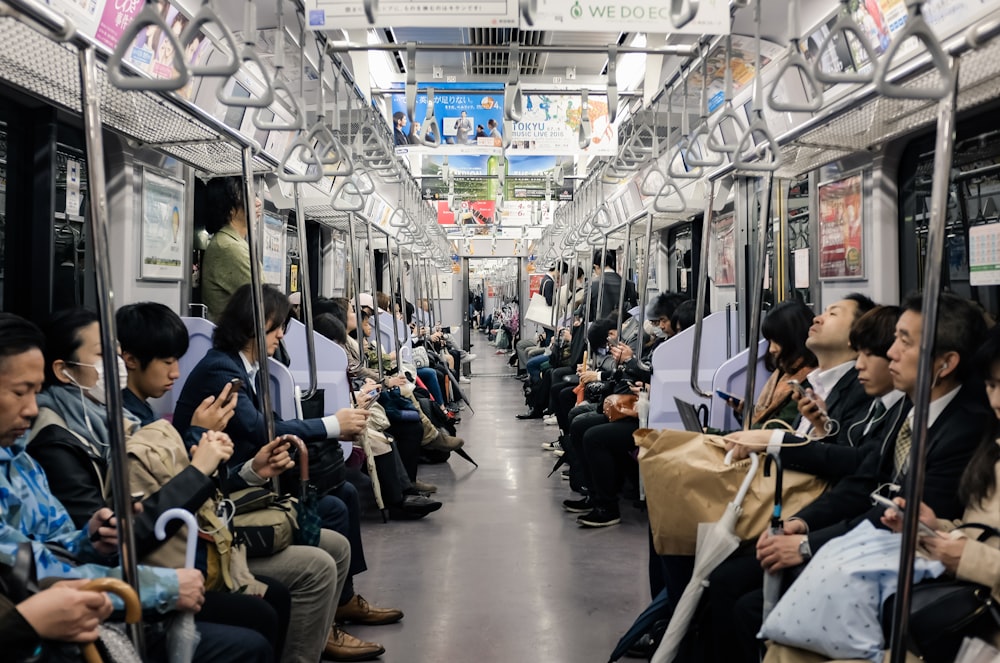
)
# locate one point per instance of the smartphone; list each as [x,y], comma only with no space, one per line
[889,504]
[234,388]
[372,400]
[797,388]
[729,398]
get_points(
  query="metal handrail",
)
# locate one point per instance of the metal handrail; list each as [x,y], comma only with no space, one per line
[758,125]
[249,54]
[683,145]
[795,61]
[306,293]
[375,316]
[916,28]
[97,221]
[845,25]
[703,126]
[207,16]
[149,17]
[936,241]
[753,344]
[728,111]
[702,292]
[286,99]
[392,299]
[644,280]
[623,261]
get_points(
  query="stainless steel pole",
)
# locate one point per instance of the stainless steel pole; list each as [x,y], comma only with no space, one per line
[644,281]
[392,297]
[702,293]
[378,327]
[356,279]
[626,255]
[306,292]
[764,223]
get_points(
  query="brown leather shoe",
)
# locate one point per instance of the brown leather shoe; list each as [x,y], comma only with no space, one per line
[342,646]
[359,611]
[425,487]
[445,442]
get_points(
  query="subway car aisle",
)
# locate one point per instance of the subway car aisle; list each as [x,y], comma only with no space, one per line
[501,573]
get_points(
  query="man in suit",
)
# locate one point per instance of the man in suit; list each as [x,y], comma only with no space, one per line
[398,123]
[608,280]
[956,417]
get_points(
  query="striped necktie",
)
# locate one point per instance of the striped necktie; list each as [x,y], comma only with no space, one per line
[903,443]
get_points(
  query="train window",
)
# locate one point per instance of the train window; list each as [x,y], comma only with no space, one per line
[680,260]
[234,114]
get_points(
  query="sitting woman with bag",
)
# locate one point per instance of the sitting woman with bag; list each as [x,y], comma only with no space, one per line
[968,549]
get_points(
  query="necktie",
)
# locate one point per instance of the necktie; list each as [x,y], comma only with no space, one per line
[903,443]
[875,415]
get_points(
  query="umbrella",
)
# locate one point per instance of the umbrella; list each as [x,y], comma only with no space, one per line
[366,446]
[772,581]
[133,613]
[183,636]
[716,542]
[657,610]
[307,513]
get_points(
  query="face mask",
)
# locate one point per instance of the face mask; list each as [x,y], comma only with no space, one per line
[98,392]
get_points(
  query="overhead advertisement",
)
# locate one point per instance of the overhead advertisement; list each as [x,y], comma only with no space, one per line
[550,124]
[104,20]
[467,123]
[712,16]
[474,177]
[531,178]
[741,63]
[474,217]
[348,14]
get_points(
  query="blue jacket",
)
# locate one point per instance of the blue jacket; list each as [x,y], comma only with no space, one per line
[246,428]
[29,512]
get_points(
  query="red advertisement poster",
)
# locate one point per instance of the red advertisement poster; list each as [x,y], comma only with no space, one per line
[841,241]
[535,284]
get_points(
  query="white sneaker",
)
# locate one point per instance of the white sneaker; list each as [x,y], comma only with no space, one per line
[465,379]
[549,446]
[559,453]
[550,420]
[469,357]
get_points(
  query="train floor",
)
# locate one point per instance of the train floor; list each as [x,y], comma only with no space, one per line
[501,573]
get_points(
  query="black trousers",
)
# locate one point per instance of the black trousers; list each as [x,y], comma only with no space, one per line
[734,609]
[267,615]
[579,425]
[607,456]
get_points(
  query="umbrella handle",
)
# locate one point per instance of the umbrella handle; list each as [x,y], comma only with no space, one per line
[192,534]
[745,486]
[773,456]
[303,456]
[133,609]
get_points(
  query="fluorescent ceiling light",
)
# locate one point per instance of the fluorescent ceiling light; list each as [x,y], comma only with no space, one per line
[383,73]
[632,66]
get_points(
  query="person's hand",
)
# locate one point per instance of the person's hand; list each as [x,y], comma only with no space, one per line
[589,376]
[742,443]
[66,612]
[621,352]
[191,590]
[215,412]
[396,381]
[352,421]
[213,449]
[103,530]
[945,549]
[812,408]
[363,399]
[777,551]
[795,526]
[893,519]
[272,459]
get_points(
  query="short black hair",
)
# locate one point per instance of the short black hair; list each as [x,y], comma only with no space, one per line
[325,305]
[148,331]
[605,258]
[19,336]
[222,197]
[563,267]
[597,335]
[875,331]
[683,316]
[787,324]
[960,328]
[397,116]
[331,327]
[62,337]
[664,306]
[236,324]
[863,303]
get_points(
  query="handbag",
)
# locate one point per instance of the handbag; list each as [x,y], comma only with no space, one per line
[539,311]
[264,521]
[420,358]
[675,464]
[620,406]
[944,612]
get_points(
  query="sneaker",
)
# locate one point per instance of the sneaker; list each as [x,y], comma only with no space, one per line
[469,357]
[465,379]
[565,475]
[550,420]
[558,453]
[578,506]
[549,446]
[600,517]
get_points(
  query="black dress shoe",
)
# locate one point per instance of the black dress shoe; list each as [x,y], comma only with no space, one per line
[413,507]
[534,414]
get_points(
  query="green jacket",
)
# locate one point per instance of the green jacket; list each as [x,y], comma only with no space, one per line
[225,267]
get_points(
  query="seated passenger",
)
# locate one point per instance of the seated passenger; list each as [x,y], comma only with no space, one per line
[956,418]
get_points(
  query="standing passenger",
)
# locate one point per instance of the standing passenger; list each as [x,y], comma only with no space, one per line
[226,265]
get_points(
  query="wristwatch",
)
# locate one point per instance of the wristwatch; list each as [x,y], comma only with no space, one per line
[804,550]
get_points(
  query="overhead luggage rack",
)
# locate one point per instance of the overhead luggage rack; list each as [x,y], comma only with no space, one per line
[41,67]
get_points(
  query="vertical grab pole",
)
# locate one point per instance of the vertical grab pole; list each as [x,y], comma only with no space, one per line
[600,288]
[437,295]
[435,320]
[763,225]
[392,297]
[644,281]
[378,326]
[98,226]
[626,255]
[256,248]
[589,285]
[356,279]
[925,368]
[306,292]
[702,290]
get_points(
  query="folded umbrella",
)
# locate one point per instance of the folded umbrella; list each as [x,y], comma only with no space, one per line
[658,609]
[307,512]
[182,636]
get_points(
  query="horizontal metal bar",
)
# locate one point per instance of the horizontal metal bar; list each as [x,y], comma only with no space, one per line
[526,89]
[669,49]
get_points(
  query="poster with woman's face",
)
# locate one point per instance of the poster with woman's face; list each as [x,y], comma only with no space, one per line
[841,242]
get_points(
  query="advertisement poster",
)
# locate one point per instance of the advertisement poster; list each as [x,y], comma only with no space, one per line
[984,254]
[535,284]
[550,125]
[532,178]
[164,228]
[274,251]
[841,242]
[475,214]
[711,17]
[474,177]
[153,53]
[724,250]
[742,64]
[345,14]
[466,123]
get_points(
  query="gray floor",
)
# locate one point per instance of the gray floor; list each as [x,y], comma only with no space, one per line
[501,573]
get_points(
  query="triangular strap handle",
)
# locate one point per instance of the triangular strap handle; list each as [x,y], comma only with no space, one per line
[341,168]
[286,99]
[314,170]
[683,12]
[679,150]
[430,134]
[363,182]
[814,93]
[845,25]
[728,113]
[513,99]
[399,218]
[602,217]
[663,197]
[917,28]
[346,197]
[770,157]
[584,132]
[325,140]
[264,100]
[207,16]
[653,181]
[700,137]
[148,17]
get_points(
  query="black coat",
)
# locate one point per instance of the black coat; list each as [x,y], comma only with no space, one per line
[612,293]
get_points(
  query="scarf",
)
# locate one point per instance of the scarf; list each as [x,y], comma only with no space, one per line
[776,393]
[76,409]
